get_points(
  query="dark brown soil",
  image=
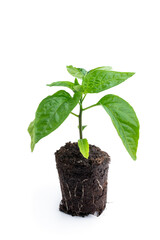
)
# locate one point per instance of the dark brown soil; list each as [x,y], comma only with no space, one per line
[83,181]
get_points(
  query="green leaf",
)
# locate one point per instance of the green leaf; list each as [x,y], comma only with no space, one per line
[106,68]
[100,79]
[83,127]
[125,121]
[76,72]
[31,133]
[78,88]
[51,113]
[75,87]
[63,84]
[76,81]
[84,147]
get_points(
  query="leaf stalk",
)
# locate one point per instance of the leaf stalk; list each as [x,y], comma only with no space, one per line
[89,107]
[74,114]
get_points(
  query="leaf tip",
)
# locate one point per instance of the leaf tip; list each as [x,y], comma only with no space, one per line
[134,158]
[32,146]
[132,73]
[68,66]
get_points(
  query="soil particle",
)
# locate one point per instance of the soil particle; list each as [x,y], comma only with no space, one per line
[83,181]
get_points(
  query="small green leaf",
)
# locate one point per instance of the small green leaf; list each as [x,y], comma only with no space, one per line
[125,121]
[100,79]
[31,133]
[51,113]
[78,88]
[83,127]
[63,84]
[75,87]
[76,81]
[84,147]
[76,72]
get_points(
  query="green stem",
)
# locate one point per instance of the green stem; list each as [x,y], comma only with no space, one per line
[89,107]
[80,119]
[74,114]
[84,97]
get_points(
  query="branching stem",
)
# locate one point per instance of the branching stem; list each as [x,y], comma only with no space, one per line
[74,114]
[89,107]
[84,97]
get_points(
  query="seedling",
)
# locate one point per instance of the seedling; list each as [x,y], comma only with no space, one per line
[54,109]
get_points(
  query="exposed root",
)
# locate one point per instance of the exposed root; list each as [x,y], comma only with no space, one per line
[82,192]
[79,206]
[100,186]
[75,191]
[63,194]
[70,195]
[93,201]
[85,180]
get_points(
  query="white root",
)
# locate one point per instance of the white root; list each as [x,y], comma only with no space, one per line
[100,186]
[83,188]
[93,200]
[82,192]
[66,202]
[96,213]
[85,180]
[79,207]
[70,195]
[75,191]
[63,194]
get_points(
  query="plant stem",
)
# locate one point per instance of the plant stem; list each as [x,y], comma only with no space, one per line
[89,107]
[74,114]
[80,119]
[84,97]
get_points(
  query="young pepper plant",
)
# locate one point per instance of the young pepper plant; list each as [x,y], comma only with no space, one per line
[53,110]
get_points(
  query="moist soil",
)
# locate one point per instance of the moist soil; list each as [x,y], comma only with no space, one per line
[83,181]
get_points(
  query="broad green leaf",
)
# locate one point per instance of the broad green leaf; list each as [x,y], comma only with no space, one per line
[76,72]
[63,84]
[100,79]
[84,147]
[51,113]
[125,121]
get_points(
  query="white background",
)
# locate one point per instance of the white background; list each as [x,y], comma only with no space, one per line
[37,40]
